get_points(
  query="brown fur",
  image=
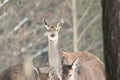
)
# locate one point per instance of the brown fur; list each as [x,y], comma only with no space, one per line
[83,56]
[55,55]
[90,70]
[15,72]
[22,71]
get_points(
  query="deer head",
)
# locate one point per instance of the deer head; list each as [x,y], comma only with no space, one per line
[75,71]
[53,29]
[52,75]
[45,73]
[70,71]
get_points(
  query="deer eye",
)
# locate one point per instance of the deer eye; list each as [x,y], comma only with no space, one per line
[77,71]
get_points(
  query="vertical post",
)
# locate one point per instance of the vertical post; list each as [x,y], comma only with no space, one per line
[74,14]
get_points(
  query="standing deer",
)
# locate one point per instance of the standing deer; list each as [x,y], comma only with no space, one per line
[90,70]
[55,54]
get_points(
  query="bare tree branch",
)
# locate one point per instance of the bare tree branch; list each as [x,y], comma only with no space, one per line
[86,12]
[93,46]
[90,23]
[5,13]
[39,52]
[74,25]
[5,1]
[18,26]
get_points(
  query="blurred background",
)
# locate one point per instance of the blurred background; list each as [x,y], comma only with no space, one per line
[22,33]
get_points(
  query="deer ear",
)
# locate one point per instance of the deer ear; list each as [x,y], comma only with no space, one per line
[75,63]
[61,22]
[45,23]
[64,61]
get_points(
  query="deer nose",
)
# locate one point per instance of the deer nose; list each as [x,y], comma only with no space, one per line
[52,35]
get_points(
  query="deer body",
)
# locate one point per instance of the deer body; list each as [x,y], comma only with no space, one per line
[83,56]
[13,73]
[55,54]
[90,70]
[24,71]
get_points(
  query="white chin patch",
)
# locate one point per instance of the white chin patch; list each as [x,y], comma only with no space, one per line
[52,38]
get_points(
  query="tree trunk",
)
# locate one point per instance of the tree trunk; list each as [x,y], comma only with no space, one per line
[111,36]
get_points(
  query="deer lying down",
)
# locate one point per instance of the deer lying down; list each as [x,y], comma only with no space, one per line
[16,72]
[90,70]
[25,71]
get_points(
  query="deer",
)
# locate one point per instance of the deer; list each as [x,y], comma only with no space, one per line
[25,71]
[16,72]
[45,73]
[55,54]
[89,70]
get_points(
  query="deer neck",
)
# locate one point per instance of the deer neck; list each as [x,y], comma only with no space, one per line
[54,57]
[53,50]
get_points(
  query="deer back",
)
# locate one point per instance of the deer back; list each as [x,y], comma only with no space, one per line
[83,56]
[13,73]
[19,71]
